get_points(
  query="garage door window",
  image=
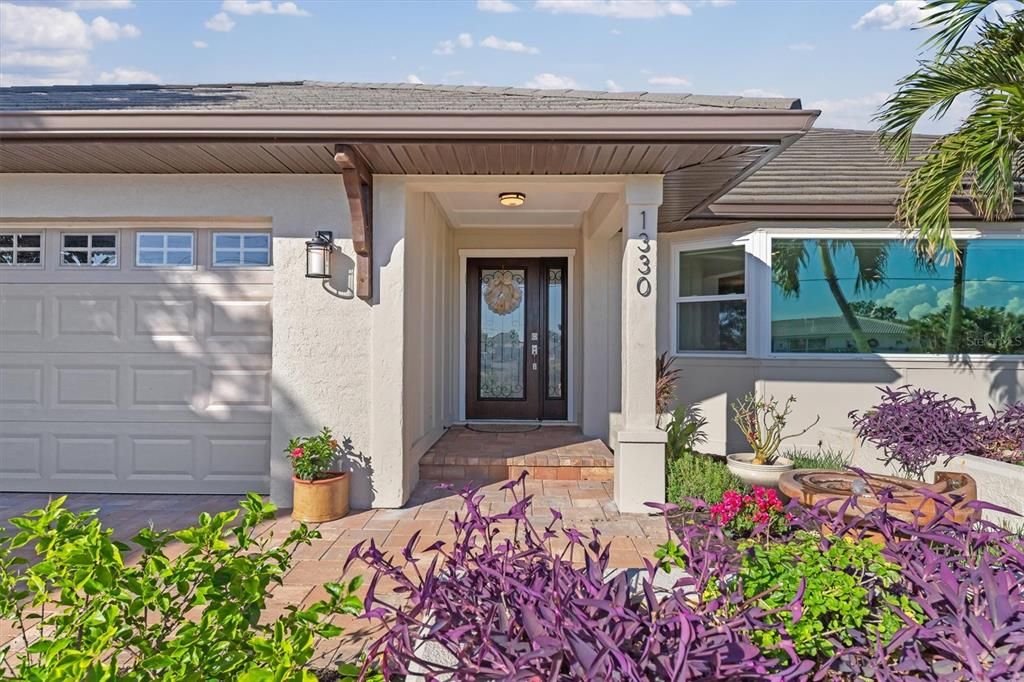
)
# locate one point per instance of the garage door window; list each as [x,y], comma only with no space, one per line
[241,249]
[89,250]
[165,249]
[21,249]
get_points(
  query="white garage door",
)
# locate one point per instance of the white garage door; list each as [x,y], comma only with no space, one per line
[135,358]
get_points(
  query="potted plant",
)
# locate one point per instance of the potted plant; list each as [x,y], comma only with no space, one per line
[762,421]
[319,494]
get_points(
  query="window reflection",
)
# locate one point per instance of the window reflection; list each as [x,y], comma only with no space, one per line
[879,296]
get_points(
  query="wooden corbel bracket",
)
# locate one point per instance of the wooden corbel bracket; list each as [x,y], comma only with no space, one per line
[358,180]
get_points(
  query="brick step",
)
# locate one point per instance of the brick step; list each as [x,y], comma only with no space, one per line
[491,473]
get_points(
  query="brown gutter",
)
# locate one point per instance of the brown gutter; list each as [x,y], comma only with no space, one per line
[733,125]
[811,211]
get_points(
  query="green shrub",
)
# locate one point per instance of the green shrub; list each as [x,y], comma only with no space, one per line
[825,457]
[846,589]
[687,472]
[191,617]
[705,477]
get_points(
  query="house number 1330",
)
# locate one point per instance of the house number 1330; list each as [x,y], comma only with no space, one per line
[643,285]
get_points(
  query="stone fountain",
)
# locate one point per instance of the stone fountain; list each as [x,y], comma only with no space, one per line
[909,501]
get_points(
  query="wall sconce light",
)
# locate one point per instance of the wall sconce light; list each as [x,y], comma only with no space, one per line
[512,199]
[318,255]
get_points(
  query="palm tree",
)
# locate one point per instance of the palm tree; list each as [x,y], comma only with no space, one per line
[984,157]
[870,256]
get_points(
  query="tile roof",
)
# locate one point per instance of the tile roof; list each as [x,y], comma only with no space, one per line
[829,166]
[314,96]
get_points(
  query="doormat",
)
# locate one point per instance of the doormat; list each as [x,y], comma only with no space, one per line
[502,428]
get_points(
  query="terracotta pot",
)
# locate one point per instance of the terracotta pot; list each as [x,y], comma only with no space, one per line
[762,475]
[324,499]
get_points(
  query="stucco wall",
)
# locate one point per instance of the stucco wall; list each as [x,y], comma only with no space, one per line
[322,359]
[429,272]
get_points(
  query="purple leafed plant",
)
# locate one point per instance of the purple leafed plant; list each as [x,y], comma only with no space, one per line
[507,601]
[539,604]
[915,428]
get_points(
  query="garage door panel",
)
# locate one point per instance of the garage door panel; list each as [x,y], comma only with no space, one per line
[21,317]
[140,387]
[93,318]
[85,318]
[93,456]
[21,386]
[135,456]
[21,457]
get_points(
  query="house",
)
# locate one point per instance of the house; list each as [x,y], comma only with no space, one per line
[499,254]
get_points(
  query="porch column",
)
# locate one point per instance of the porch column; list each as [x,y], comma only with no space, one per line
[640,456]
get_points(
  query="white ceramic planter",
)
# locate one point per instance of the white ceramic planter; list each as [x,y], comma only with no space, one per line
[762,475]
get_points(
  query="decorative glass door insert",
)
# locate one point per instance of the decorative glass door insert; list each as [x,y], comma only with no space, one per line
[516,350]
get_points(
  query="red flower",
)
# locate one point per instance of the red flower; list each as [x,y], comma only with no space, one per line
[297,452]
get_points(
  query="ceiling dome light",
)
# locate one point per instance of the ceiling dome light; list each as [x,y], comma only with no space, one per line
[511,199]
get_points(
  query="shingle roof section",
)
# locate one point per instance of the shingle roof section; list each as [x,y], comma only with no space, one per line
[829,166]
[833,325]
[314,96]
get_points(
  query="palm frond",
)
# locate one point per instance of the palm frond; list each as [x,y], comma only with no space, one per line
[787,259]
[954,19]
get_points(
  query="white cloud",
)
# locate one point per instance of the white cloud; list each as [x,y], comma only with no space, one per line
[104,29]
[498,6]
[849,112]
[722,3]
[1004,9]
[56,60]
[550,81]
[50,45]
[893,16]
[220,22]
[36,27]
[101,4]
[413,79]
[8,80]
[802,47]
[668,81]
[128,75]
[199,44]
[620,9]
[615,32]
[496,43]
[612,86]
[247,8]
[447,47]
[758,92]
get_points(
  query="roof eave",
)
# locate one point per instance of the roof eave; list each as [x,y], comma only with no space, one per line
[727,125]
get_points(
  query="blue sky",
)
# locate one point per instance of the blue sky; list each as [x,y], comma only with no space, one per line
[842,56]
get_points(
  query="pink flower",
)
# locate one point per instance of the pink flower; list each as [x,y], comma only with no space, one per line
[296,453]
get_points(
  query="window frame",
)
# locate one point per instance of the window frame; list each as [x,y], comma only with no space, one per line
[164,249]
[675,299]
[241,250]
[89,249]
[15,249]
[764,331]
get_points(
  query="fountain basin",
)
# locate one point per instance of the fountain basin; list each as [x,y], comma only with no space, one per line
[813,486]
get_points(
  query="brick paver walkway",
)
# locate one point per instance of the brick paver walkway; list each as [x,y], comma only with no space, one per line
[583,504]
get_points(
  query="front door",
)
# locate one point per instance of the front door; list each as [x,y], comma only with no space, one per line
[515,338]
